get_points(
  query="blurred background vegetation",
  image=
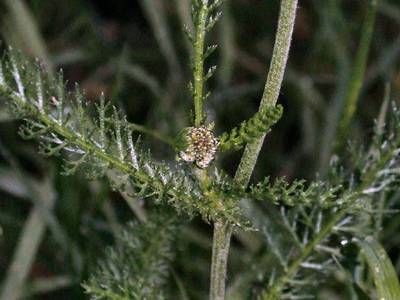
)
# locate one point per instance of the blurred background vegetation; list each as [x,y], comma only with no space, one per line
[54,228]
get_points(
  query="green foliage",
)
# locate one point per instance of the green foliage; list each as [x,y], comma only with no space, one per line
[204,17]
[100,145]
[316,234]
[248,131]
[136,268]
[298,192]
[305,226]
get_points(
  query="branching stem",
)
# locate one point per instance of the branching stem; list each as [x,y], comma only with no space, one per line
[223,231]
[273,85]
[352,96]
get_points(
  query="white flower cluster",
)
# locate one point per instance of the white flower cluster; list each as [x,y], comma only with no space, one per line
[201,146]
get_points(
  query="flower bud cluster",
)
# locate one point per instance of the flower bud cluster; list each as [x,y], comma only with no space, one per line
[201,146]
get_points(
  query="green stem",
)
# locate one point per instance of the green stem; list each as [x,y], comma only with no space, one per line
[223,230]
[198,75]
[357,75]
[275,291]
[273,85]
[220,251]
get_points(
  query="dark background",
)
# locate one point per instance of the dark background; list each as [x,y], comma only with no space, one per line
[116,47]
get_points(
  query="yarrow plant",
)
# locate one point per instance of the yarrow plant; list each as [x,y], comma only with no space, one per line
[317,218]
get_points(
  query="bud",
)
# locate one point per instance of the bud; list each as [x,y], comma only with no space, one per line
[201,146]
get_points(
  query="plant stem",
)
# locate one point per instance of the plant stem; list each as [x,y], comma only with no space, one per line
[275,291]
[198,79]
[223,230]
[356,79]
[273,85]
[220,251]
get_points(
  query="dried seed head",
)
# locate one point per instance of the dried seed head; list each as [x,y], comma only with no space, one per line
[201,146]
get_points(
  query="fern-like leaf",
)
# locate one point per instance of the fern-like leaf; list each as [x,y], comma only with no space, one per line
[318,233]
[260,123]
[101,145]
[137,268]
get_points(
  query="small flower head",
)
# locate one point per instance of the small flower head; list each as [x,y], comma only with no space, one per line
[201,146]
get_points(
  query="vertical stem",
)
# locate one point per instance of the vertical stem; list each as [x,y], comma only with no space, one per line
[220,251]
[280,54]
[198,79]
[222,230]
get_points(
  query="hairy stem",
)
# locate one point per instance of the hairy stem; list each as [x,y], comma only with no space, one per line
[273,85]
[222,230]
[198,79]
[220,251]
